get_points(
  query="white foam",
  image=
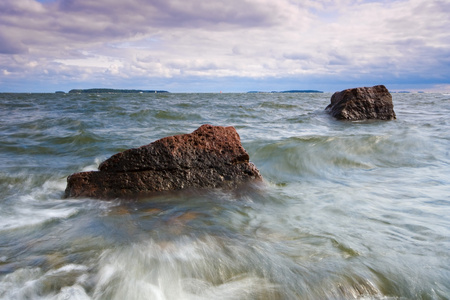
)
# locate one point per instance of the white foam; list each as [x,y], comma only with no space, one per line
[68,268]
[75,292]
[34,284]
[41,204]
[183,269]
[94,166]
[32,216]
[54,185]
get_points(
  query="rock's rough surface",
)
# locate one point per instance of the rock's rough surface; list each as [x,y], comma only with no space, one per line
[209,157]
[362,103]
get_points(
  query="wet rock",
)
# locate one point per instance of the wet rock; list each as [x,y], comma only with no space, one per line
[209,157]
[362,103]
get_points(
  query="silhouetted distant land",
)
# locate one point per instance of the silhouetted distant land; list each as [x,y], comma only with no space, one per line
[113,91]
[302,91]
[290,91]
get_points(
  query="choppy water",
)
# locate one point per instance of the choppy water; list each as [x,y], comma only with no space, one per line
[349,210]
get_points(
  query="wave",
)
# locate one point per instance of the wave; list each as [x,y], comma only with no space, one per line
[323,156]
[172,115]
[32,200]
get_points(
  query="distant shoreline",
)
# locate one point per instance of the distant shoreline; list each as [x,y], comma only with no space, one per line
[290,91]
[130,91]
[113,91]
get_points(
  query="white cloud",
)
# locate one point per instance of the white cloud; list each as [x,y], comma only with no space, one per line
[85,40]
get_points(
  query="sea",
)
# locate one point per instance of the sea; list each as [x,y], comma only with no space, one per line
[346,210]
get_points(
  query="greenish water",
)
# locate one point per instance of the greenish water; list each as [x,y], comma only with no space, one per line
[348,210]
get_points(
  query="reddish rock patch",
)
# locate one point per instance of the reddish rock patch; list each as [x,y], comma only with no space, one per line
[209,157]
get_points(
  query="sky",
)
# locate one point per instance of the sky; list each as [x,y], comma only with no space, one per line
[224,45]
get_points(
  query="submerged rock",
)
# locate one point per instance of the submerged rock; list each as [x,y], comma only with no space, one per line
[362,103]
[209,157]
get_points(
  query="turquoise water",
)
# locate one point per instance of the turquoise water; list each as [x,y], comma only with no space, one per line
[348,210]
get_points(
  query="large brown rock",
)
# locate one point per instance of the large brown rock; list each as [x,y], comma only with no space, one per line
[209,157]
[362,103]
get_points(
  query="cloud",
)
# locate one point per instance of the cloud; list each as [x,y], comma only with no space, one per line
[170,13]
[76,40]
[11,45]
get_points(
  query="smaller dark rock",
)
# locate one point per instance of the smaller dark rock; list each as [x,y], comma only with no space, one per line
[362,103]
